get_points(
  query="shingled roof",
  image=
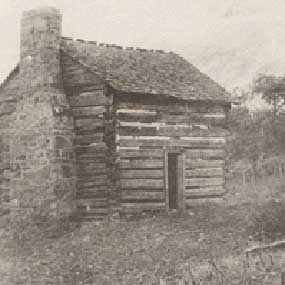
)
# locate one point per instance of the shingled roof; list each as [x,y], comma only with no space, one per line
[145,71]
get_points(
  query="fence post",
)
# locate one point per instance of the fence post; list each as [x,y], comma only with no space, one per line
[282,278]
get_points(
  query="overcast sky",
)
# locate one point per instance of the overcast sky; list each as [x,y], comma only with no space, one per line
[183,26]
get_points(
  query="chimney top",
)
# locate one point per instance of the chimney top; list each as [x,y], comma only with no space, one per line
[40,46]
[41,11]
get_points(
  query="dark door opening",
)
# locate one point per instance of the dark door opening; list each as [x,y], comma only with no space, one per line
[173,180]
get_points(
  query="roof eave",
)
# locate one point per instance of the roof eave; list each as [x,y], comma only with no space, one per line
[119,91]
[14,71]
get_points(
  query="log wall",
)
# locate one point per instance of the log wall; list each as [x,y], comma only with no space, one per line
[145,130]
[121,141]
[90,108]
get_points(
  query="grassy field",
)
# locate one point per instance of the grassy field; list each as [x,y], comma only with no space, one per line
[204,245]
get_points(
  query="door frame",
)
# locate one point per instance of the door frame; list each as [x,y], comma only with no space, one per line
[180,180]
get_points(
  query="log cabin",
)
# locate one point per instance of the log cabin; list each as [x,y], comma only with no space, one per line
[105,129]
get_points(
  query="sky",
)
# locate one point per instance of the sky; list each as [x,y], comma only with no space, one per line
[203,31]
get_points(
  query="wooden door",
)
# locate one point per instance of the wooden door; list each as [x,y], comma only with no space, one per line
[175,180]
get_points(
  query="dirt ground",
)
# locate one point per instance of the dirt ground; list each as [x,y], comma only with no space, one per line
[204,245]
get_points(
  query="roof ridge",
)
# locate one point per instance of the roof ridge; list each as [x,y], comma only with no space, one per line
[118,46]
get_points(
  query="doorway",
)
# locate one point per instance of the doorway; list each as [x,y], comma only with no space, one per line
[175,180]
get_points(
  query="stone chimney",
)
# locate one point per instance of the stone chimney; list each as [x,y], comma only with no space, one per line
[43,177]
[40,43]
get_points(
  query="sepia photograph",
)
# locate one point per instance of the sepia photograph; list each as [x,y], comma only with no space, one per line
[142,142]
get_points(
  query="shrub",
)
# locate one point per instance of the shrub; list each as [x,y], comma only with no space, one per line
[27,230]
[268,220]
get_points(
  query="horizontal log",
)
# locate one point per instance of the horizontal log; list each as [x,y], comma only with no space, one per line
[214,119]
[167,138]
[81,131]
[95,212]
[203,201]
[85,153]
[202,139]
[91,166]
[91,194]
[86,197]
[136,211]
[98,180]
[92,203]
[204,192]
[90,175]
[141,164]
[140,200]
[96,148]
[157,153]
[205,154]
[93,217]
[97,189]
[204,172]
[196,119]
[90,99]
[143,191]
[103,200]
[144,206]
[204,163]
[137,117]
[89,158]
[75,87]
[89,122]
[92,93]
[89,128]
[88,139]
[172,130]
[169,142]
[88,111]
[142,112]
[178,113]
[91,213]
[96,177]
[139,183]
[175,107]
[137,124]
[98,185]
[204,182]
[143,195]
[141,173]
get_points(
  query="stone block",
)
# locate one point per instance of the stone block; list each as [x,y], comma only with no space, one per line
[62,142]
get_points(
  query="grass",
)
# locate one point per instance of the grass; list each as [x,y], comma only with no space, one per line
[205,244]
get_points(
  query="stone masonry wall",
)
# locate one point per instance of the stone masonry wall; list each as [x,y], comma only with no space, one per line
[42,181]
[41,154]
[8,98]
